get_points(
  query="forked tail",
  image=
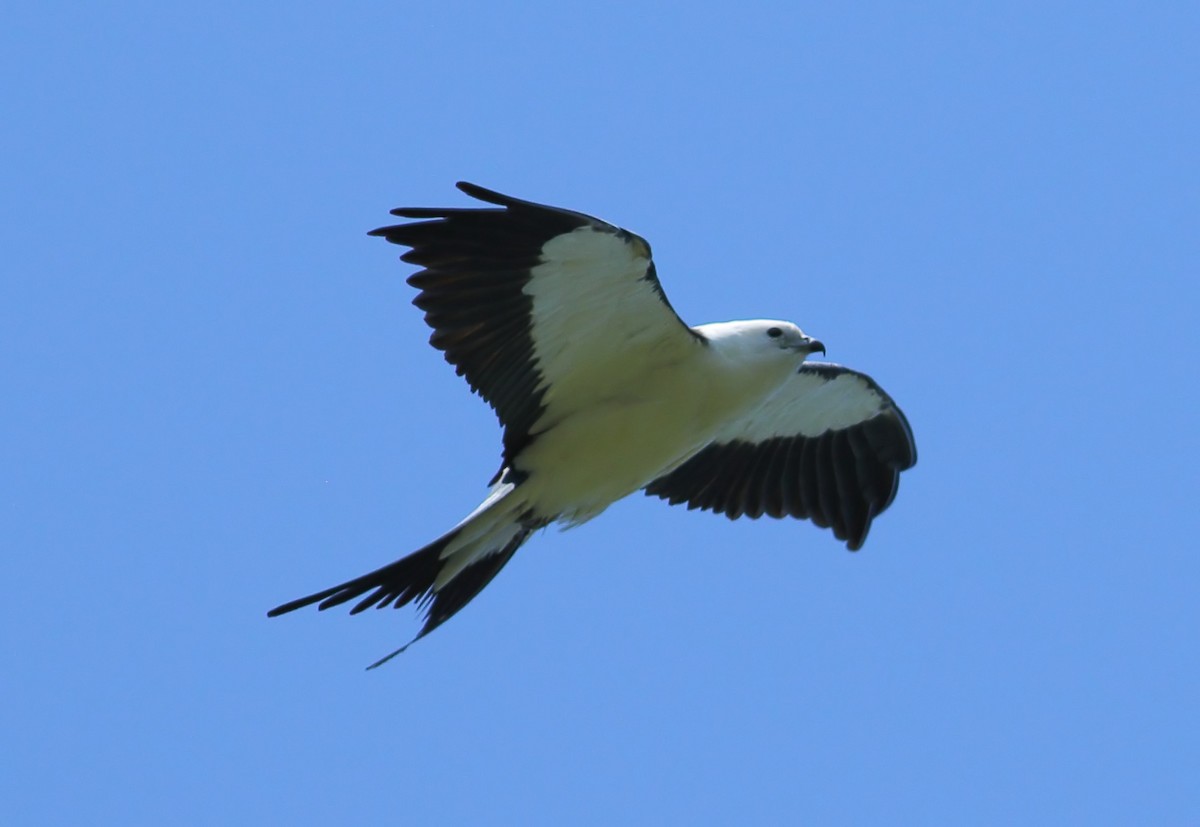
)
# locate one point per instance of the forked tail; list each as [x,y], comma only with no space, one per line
[443,576]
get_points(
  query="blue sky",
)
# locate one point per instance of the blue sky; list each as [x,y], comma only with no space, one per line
[217,398]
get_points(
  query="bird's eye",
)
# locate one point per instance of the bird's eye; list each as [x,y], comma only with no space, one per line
[774,333]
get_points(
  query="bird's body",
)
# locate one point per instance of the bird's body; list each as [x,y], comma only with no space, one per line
[558,320]
[635,420]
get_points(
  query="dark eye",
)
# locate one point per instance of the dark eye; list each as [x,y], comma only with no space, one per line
[774,333]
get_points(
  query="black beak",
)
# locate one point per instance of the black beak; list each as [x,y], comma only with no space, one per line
[816,344]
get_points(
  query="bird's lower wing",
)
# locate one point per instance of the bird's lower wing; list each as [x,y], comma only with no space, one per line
[829,446]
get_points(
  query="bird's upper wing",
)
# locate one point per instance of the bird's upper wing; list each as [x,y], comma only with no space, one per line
[525,298]
[828,446]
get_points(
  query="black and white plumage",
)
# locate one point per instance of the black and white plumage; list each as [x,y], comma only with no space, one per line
[558,320]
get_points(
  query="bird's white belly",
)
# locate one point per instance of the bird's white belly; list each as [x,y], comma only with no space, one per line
[614,445]
[592,459]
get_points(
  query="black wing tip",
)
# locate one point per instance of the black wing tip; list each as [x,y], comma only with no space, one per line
[855,541]
[441,213]
[484,194]
[566,219]
[909,459]
[473,190]
[301,602]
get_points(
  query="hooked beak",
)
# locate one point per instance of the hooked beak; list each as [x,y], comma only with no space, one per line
[813,345]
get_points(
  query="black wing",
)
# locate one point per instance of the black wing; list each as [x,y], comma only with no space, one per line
[829,447]
[521,295]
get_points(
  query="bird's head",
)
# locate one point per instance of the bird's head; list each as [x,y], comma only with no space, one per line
[762,340]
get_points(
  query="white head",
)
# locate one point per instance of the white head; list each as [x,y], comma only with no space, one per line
[761,340]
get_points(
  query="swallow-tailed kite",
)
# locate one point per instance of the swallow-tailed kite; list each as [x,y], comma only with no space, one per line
[558,320]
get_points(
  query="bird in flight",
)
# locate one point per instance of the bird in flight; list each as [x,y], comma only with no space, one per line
[558,320]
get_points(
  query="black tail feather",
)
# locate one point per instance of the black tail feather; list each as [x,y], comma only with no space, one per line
[397,583]
[412,579]
[460,591]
